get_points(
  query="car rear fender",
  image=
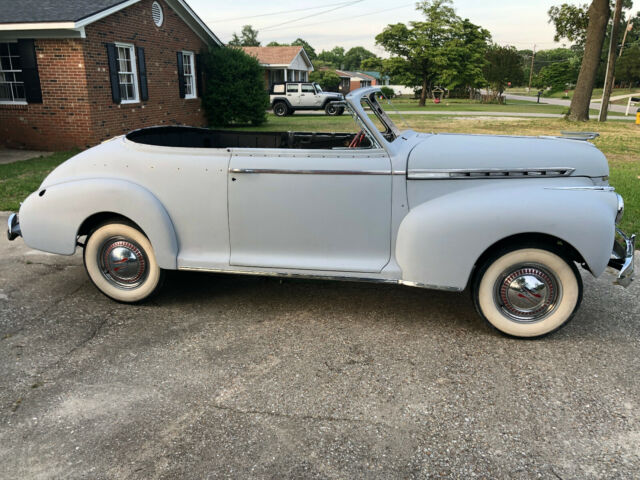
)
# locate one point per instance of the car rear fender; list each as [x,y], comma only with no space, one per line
[51,218]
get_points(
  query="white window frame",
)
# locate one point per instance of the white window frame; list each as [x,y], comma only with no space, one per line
[134,71]
[14,101]
[191,78]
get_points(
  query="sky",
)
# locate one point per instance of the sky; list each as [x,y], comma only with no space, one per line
[331,23]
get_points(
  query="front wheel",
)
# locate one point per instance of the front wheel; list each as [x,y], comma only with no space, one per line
[527,292]
[332,110]
[121,263]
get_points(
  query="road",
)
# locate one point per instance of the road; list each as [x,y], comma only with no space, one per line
[244,377]
[566,103]
[470,114]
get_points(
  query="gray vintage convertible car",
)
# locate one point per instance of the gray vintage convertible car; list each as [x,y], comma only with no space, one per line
[509,217]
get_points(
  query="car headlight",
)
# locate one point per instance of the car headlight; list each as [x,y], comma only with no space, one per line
[620,208]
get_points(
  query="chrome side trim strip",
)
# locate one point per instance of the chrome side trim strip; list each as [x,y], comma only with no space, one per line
[585,187]
[311,276]
[284,171]
[484,173]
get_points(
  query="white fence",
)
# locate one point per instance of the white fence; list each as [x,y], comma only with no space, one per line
[401,89]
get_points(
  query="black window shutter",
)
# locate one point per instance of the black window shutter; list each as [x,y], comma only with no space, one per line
[181,74]
[113,72]
[30,76]
[199,82]
[142,70]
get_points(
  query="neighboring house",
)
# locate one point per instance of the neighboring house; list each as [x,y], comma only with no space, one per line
[380,79]
[354,80]
[76,72]
[282,64]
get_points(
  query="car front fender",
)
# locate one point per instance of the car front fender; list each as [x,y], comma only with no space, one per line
[440,241]
[50,219]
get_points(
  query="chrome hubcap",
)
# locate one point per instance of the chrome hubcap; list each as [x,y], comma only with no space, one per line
[123,263]
[527,293]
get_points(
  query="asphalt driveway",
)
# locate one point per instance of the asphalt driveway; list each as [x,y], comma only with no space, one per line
[243,377]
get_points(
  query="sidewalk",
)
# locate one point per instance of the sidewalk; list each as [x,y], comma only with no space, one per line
[8,155]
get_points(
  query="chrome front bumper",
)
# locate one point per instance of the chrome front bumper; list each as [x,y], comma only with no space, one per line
[622,257]
[13,227]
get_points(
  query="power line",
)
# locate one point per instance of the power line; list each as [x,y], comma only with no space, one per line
[351,19]
[280,12]
[270,27]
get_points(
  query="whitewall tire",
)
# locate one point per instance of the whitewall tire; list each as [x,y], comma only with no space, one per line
[527,292]
[120,262]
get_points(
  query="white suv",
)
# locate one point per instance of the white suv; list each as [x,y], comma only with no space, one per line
[286,98]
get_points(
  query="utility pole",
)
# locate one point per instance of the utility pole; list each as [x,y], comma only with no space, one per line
[626,31]
[611,63]
[531,71]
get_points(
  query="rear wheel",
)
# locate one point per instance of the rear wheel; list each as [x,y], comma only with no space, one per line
[280,109]
[121,263]
[527,292]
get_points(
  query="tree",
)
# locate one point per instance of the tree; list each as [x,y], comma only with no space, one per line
[235,92]
[333,57]
[628,65]
[374,64]
[328,80]
[248,38]
[311,52]
[570,21]
[421,49]
[544,58]
[354,57]
[504,65]
[467,51]
[558,76]
[599,14]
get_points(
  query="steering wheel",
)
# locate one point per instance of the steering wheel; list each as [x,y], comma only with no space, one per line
[357,140]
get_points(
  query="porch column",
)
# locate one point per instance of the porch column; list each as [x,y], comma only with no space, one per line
[285,75]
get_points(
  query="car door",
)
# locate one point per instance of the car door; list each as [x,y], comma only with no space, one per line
[293,94]
[308,96]
[310,209]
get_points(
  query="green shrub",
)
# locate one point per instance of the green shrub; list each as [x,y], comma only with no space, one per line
[328,80]
[388,92]
[235,91]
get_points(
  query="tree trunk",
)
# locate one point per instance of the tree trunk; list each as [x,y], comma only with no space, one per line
[611,63]
[599,14]
[423,95]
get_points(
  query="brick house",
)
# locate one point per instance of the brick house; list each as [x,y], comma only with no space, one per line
[282,64]
[353,80]
[77,72]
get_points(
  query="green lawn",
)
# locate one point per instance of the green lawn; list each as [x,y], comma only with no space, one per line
[620,141]
[19,179]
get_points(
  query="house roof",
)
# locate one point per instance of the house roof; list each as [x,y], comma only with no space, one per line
[32,11]
[277,56]
[358,75]
[375,75]
[69,17]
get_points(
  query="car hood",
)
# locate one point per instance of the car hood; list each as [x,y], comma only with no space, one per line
[448,152]
[332,94]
